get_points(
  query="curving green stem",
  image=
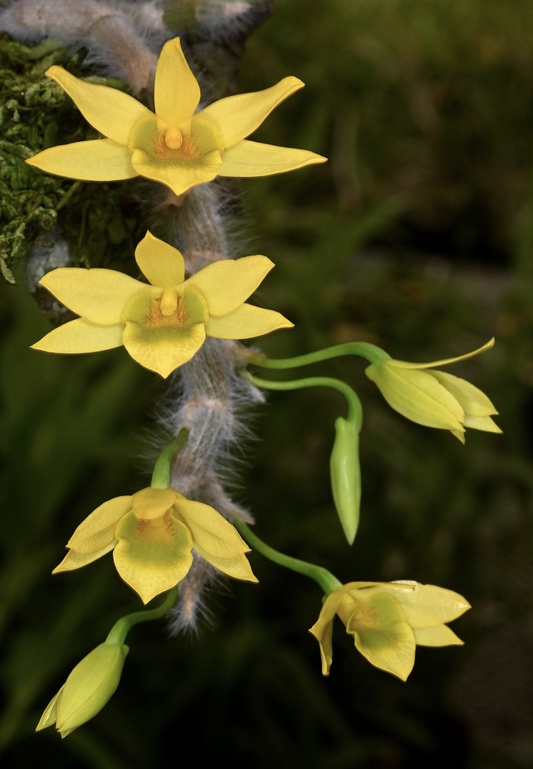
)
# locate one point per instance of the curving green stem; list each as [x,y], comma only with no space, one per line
[162,468]
[355,410]
[370,352]
[121,628]
[327,581]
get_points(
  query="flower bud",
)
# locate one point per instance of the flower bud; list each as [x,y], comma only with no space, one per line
[346,476]
[434,398]
[87,689]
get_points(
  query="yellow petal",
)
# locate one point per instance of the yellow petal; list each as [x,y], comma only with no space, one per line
[382,635]
[323,628]
[486,424]
[49,716]
[75,560]
[427,605]
[460,435]
[209,529]
[152,555]
[214,538]
[324,636]
[238,567]
[152,503]
[417,396]
[177,92]
[98,529]
[236,117]
[179,175]
[440,635]
[98,295]
[248,158]
[446,361]
[99,160]
[226,284]
[162,264]
[79,336]
[474,402]
[110,111]
[245,322]
[162,343]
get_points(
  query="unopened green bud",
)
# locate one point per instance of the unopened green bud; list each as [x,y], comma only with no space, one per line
[87,689]
[346,476]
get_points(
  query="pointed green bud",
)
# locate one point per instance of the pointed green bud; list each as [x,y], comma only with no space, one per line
[346,476]
[87,689]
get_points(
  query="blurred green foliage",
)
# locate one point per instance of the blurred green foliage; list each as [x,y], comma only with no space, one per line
[418,236]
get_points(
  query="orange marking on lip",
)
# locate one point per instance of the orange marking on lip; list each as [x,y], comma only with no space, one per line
[156,319]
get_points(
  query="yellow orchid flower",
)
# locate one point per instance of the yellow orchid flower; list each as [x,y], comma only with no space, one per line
[162,324]
[174,146]
[152,534]
[434,398]
[88,688]
[388,620]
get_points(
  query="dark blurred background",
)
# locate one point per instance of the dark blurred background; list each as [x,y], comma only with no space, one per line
[416,236]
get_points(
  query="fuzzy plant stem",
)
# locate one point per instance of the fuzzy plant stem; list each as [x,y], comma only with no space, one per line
[206,395]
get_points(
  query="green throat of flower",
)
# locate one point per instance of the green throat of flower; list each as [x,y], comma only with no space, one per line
[165,328]
[196,142]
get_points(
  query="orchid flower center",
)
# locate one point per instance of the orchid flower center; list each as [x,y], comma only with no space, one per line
[149,503]
[152,314]
[194,141]
[173,138]
[169,302]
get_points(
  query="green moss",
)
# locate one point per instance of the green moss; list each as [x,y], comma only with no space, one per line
[97,220]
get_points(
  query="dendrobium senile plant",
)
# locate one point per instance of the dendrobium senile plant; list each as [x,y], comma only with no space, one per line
[176,146]
[163,323]
[158,534]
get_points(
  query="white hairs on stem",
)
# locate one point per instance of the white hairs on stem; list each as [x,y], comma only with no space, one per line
[122,37]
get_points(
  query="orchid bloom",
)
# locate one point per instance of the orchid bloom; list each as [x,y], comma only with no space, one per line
[162,324]
[434,398]
[175,146]
[388,620]
[152,535]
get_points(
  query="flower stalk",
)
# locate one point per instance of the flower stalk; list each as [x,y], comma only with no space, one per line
[355,410]
[121,628]
[163,467]
[95,679]
[345,471]
[369,352]
[327,581]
